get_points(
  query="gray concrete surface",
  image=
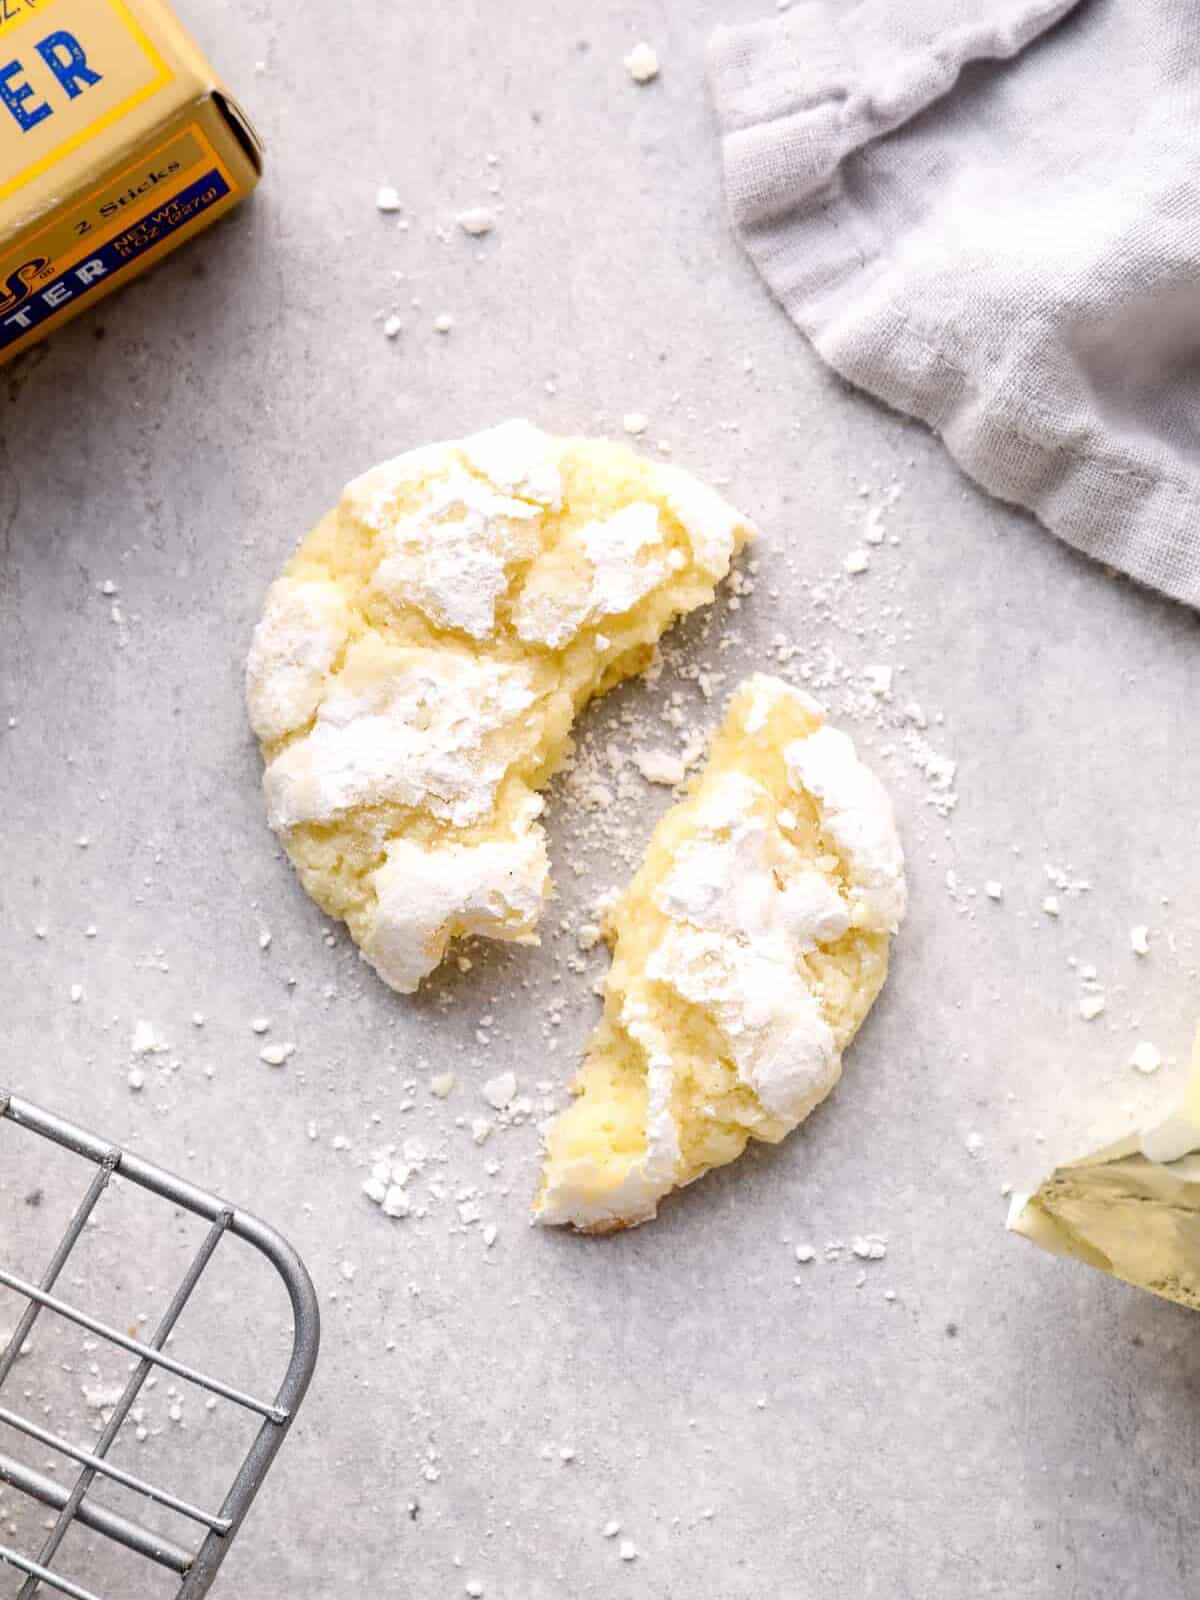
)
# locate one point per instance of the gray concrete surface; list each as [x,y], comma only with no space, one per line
[1008,1425]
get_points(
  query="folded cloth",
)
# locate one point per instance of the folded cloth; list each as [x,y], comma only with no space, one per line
[987,213]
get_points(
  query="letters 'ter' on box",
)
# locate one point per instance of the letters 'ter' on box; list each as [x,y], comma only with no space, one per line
[117,143]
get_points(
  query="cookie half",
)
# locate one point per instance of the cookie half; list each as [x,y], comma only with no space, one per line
[417,669]
[745,954]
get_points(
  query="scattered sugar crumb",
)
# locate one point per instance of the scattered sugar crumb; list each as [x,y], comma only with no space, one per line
[1090,1006]
[1051,906]
[1062,880]
[879,679]
[870,1247]
[393,327]
[1146,1057]
[476,220]
[805,1252]
[136,1079]
[642,63]
[660,766]
[1139,939]
[443,322]
[500,1090]
[443,1084]
[994,889]
[276,1054]
[629,1551]
[974,1142]
[387,199]
[144,1039]
[857,562]
[635,422]
[611,1529]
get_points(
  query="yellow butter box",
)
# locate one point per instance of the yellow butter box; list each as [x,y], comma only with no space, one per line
[117,143]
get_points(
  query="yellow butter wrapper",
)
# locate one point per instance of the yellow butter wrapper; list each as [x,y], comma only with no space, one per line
[117,143]
[1131,1209]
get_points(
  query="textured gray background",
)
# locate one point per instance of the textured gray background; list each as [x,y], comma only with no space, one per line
[1009,1424]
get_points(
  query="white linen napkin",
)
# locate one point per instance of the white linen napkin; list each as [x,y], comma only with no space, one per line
[987,213]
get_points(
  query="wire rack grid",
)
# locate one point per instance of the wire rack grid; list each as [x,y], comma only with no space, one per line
[196,1568]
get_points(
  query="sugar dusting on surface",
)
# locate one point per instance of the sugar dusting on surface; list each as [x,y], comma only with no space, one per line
[449,1148]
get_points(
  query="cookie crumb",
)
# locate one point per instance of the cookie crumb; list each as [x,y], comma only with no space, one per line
[1145,1058]
[660,766]
[476,220]
[642,63]
[869,1247]
[879,680]
[500,1090]
[144,1040]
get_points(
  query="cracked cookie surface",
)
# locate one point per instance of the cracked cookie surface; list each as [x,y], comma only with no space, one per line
[417,669]
[746,952]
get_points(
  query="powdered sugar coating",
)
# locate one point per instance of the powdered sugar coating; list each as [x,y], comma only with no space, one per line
[413,679]
[424,897]
[578,1195]
[621,563]
[451,558]
[410,727]
[303,630]
[711,523]
[750,946]
[858,816]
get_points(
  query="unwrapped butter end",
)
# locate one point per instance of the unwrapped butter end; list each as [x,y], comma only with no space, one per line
[1131,1209]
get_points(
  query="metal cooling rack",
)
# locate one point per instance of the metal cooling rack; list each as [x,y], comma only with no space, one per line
[196,1568]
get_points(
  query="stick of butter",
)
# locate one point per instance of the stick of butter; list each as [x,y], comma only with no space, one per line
[1133,1208]
[117,143]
